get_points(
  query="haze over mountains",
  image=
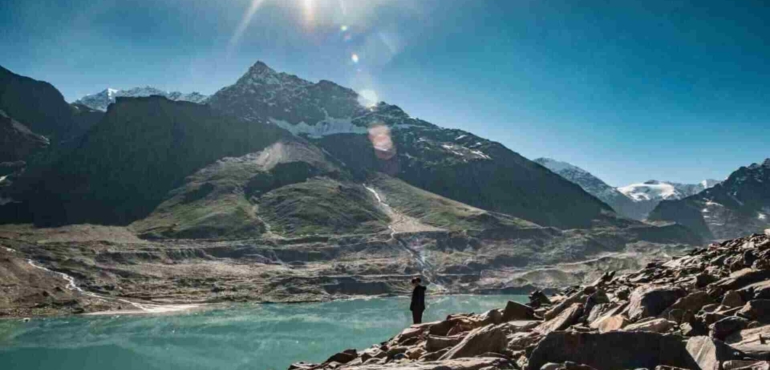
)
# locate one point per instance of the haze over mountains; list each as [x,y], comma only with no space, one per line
[634,201]
[316,190]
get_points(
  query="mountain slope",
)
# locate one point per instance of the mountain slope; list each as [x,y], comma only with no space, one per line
[595,186]
[740,205]
[124,166]
[102,100]
[17,141]
[451,163]
[37,105]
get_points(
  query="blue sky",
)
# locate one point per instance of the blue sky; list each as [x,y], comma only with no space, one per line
[629,90]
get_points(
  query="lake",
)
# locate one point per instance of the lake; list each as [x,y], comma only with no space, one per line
[245,336]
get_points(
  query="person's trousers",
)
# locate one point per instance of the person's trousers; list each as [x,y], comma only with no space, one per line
[417,316]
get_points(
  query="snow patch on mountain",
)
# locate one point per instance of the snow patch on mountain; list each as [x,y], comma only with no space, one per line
[654,190]
[102,100]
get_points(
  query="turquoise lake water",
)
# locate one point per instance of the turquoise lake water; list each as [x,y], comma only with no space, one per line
[236,337]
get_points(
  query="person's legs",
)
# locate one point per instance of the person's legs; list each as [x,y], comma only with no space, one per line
[417,316]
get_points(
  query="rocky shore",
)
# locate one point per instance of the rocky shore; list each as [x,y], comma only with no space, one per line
[709,309]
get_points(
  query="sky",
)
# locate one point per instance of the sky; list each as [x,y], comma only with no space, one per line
[629,90]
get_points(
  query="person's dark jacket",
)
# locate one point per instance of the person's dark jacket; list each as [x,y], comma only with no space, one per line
[418,299]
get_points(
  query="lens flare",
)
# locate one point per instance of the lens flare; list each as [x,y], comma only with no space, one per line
[379,135]
[354,58]
[368,98]
[343,28]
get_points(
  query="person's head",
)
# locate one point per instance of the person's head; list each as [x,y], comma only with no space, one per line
[416,281]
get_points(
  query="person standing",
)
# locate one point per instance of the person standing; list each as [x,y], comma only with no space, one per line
[418,300]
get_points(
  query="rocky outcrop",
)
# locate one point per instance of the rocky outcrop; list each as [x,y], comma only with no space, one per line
[663,317]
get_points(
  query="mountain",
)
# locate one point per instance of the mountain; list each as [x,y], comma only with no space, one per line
[122,168]
[380,137]
[648,194]
[37,105]
[17,142]
[739,205]
[593,185]
[101,100]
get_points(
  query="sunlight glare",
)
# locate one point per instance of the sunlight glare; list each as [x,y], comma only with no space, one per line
[354,58]
[368,98]
[255,4]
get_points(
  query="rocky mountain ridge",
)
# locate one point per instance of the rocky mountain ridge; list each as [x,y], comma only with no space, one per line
[101,101]
[738,205]
[706,310]
[635,201]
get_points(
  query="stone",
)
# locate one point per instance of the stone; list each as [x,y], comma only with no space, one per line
[490,338]
[523,341]
[477,363]
[754,342]
[694,328]
[578,297]
[709,353]
[344,356]
[408,333]
[732,299]
[415,353]
[613,350]
[490,317]
[443,327]
[517,311]
[704,279]
[665,367]
[742,278]
[597,311]
[436,343]
[691,302]
[566,318]
[745,365]
[724,327]
[569,365]
[522,325]
[758,309]
[610,323]
[653,326]
[646,302]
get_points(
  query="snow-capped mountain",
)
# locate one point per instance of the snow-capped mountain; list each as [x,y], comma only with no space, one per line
[376,136]
[634,201]
[102,100]
[737,206]
[654,190]
[594,186]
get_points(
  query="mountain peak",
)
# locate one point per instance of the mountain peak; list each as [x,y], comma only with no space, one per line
[101,100]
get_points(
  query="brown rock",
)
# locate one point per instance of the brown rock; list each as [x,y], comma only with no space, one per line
[490,338]
[578,297]
[758,309]
[745,365]
[732,299]
[569,365]
[742,278]
[490,317]
[599,310]
[522,325]
[566,318]
[478,363]
[415,353]
[437,343]
[653,326]
[754,342]
[709,353]
[651,301]
[517,311]
[692,302]
[343,357]
[610,323]
[724,327]
[614,350]
[523,341]
[443,327]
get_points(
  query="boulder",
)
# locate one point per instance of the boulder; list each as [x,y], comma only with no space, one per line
[415,353]
[408,333]
[646,301]
[522,325]
[614,350]
[732,299]
[443,327]
[754,342]
[569,365]
[523,341]
[610,323]
[566,318]
[758,310]
[490,338]
[653,326]
[724,327]
[709,353]
[490,317]
[578,297]
[691,302]
[517,311]
[742,278]
[745,365]
[343,357]
[436,343]
[597,311]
